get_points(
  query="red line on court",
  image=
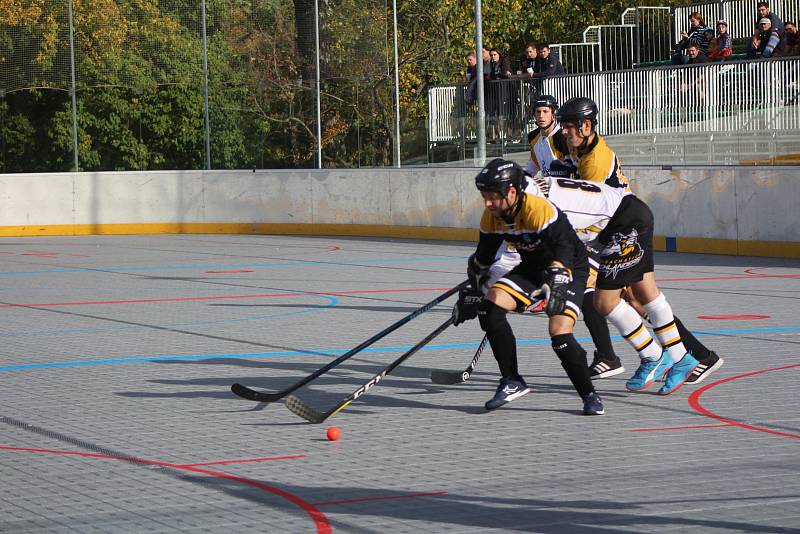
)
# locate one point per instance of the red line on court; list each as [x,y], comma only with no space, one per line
[694,402]
[319,518]
[223,462]
[390,497]
[732,317]
[224,297]
[677,428]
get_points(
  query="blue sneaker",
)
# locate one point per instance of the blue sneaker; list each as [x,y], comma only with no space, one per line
[678,374]
[648,372]
[593,405]
[508,390]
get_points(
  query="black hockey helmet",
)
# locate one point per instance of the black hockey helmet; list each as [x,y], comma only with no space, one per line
[546,101]
[578,109]
[499,175]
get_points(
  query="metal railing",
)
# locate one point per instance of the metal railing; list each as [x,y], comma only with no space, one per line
[747,98]
[644,35]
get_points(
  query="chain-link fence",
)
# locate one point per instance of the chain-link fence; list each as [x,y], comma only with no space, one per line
[186,84]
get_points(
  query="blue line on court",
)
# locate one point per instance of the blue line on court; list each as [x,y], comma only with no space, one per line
[195,357]
[225,266]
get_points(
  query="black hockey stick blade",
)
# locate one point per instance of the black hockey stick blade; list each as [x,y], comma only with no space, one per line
[297,406]
[439,376]
[265,396]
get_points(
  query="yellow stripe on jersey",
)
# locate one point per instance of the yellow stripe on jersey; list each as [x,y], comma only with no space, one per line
[521,297]
[599,164]
[536,214]
[569,312]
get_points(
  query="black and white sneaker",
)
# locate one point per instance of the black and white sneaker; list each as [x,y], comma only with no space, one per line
[602,368]
[508,390]
[704,368]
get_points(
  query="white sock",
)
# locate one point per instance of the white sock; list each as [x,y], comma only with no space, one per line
[660,314]
[630,325]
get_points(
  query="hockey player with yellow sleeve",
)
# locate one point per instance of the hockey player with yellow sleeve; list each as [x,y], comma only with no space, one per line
[551,257]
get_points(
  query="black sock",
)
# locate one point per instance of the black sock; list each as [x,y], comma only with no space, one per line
[501,338]
[692,344]
[573,360]
[598,328]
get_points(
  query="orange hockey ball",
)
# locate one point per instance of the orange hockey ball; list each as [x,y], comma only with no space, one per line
[333,433]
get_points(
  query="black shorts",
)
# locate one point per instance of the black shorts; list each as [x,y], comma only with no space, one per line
[626,245]
[523,282]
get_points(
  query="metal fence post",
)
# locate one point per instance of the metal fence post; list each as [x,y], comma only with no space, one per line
[396,89]
[481,121]
[317,86]
[206,122]
[72,89]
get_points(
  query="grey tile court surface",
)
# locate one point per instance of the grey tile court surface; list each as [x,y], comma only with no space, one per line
[116,415]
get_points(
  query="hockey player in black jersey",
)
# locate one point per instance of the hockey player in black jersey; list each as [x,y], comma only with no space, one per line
[552,258]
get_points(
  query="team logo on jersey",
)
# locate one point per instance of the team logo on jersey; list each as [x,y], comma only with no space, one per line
[623,252]
[525,242]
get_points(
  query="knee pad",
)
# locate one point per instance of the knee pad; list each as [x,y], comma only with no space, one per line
[492,317]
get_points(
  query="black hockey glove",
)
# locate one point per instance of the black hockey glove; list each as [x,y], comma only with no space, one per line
[556,280]
[476,273]
[562,169]
[466,308]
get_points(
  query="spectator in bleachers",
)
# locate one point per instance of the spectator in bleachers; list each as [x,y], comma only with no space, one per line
[692,90]
[722,46]
[792,40]
[550,64]
[694,35]
[765,42]
[695,55]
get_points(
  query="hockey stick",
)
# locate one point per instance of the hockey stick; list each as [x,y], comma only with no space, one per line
[299,407]
[264,396]
[439,376]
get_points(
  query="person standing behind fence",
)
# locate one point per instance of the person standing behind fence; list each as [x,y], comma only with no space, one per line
[724,44]
[767,35]
[550,64]
[695,35]
[471,78]
[497,97]
[531,63]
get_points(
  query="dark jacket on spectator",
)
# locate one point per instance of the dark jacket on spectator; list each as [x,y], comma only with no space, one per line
[535,64]
[498,71]
[701,58]
[550,67]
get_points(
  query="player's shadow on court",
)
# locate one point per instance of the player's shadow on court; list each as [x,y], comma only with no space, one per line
[443,511]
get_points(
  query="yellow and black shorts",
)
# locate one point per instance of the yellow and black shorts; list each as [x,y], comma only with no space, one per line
[524,282]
